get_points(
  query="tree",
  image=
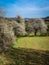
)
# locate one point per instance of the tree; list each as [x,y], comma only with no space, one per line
[48,29]
[2,11]
[39,25]
[20,26]
[7,37]
[36,25]
[28,26]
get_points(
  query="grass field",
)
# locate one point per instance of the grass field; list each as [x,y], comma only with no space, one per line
[40,43]
[27,51]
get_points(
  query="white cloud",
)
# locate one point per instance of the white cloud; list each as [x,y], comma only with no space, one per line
[26,9]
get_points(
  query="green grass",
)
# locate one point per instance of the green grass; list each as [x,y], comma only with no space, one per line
[40,43]
[27,51]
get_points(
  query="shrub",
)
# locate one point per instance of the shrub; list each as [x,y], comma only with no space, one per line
[7,37]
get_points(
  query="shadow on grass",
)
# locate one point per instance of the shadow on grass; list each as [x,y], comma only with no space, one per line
[34,36]
[22,56]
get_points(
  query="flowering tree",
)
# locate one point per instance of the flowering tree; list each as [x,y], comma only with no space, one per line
[2,11]
[20,26]
[39,25]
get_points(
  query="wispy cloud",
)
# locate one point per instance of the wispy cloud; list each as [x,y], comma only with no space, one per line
[28,9]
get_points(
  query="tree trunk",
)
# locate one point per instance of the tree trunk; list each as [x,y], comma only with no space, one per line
[35,32]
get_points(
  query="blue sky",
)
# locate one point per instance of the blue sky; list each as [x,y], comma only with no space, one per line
[26,8]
